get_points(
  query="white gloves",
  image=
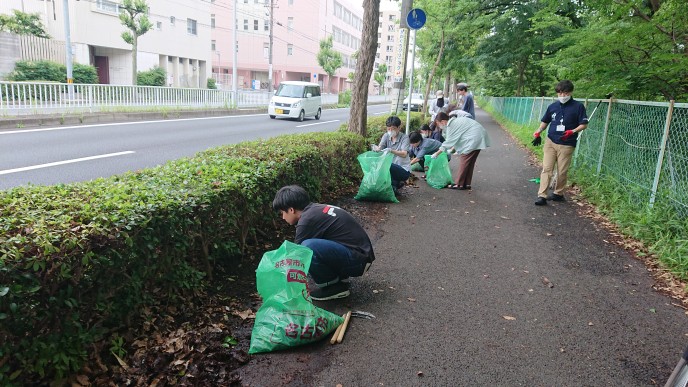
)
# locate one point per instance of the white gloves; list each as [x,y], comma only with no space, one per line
[434,156]
[386,150]
[375,148]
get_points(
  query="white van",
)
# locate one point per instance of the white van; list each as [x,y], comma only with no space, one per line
[296,100]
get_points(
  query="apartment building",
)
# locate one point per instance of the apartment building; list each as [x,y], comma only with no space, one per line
[178,42]
[297,27]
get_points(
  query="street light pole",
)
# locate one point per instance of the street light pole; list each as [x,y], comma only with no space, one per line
[234,56]
[68,48]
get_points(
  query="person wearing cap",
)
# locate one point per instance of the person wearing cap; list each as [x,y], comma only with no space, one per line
[565,118]
[468,105]
[438,105]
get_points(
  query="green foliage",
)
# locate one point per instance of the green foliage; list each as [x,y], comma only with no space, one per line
[52,72]
[21,23]
[84,74]
[79,260]
[211,84]
[328,58]
[344,98]
[380,76]
[153,77]
[135,18]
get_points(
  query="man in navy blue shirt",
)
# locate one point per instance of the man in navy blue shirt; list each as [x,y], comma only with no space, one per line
[565,118]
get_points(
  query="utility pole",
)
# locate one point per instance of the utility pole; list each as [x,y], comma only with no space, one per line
[235,82]
[400,79]
[68,46]
[272,19]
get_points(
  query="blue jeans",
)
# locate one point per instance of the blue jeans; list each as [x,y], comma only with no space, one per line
[332,262]
[399,175]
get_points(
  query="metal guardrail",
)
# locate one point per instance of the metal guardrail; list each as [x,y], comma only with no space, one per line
[27,98]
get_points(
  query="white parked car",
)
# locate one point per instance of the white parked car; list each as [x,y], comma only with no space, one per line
[295,99]
[417,100]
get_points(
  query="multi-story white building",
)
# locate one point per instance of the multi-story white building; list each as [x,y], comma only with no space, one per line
[298,26]
[179,41]
[388,40]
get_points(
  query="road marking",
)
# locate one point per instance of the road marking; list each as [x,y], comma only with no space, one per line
[317,123]
[22,169]
[124,123]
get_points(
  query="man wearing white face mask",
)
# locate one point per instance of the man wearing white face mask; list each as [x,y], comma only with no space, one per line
[397,143]
[565,118]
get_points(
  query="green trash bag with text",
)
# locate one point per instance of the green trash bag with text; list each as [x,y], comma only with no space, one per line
[287,317]
[439,174]
[376,185]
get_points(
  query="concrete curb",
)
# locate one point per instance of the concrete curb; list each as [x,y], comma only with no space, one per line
[96,118]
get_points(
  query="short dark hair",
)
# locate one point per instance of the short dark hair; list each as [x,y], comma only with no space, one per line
[415,137]
[425,127]
[393,121]
[462,87]
[564,86]
[441,116]
[291,196]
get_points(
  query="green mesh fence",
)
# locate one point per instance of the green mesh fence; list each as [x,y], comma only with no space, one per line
[643,145]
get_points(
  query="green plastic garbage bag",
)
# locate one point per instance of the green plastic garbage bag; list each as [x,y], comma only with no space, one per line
[428,160]
[376,185]
[439,174]
[417,167]
[287,317]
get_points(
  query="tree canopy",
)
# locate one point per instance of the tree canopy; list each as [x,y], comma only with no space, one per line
[634,48]
[135,18]
[21,23]
[328,58]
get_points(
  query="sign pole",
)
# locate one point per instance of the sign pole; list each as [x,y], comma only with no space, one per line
[413,59]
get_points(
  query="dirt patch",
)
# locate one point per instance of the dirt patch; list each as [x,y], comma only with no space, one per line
[206,343]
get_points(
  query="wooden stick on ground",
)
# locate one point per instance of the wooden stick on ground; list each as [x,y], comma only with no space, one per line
[336,332]
[340,337]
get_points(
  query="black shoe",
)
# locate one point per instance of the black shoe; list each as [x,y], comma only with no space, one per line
[541,201]
[331,292]
[556,198]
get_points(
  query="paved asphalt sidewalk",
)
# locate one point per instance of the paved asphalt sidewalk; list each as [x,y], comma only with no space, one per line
[482,287]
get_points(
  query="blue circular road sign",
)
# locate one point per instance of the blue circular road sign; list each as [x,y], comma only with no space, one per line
[416,18]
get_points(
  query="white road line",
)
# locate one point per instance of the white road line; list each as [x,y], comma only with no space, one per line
[317,123]
[123,123]
[22,169]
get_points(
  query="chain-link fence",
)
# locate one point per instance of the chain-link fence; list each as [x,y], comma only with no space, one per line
[640,144]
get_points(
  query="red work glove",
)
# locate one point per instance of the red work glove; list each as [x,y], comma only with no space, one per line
[537,140]
[567,134]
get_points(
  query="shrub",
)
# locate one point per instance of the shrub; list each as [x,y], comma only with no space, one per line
[153,77]
[344,98]
[211,84]
[81,259]
[48,71]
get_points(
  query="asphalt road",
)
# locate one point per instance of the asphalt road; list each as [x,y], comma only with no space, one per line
[461,294]
[77,153]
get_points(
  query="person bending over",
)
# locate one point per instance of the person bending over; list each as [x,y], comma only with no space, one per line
[341,247]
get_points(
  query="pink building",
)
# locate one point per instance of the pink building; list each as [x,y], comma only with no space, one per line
[298,27]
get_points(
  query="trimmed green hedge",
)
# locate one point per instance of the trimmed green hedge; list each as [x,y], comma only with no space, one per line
[81,259]
[44,70]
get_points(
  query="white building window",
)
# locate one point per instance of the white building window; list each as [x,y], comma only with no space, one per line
[158,26]
[290,49]
[290,2]
[338,10]
[212,20]
[212,45]
[390,38]
[392,18]
[107,6]
[266,50]
[390,27]
[191,26]
[245,24]
[172,20]
[255,25]
[290,23]
[390,48]
[266,25]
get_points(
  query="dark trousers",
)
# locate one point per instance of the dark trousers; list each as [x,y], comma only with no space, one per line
[332,262]
[466,166]
[399,175]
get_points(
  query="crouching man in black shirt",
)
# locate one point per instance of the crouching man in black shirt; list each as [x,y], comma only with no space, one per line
[341,247]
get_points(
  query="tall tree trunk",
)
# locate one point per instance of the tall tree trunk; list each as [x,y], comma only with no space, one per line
[134,51]
[432,74]
[364,67]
